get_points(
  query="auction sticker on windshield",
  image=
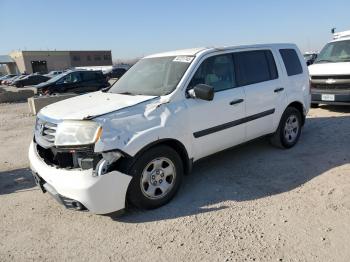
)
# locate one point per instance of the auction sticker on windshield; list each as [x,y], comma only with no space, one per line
[327,97]
[183,59]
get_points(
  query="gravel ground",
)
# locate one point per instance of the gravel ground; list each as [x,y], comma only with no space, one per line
[251,203]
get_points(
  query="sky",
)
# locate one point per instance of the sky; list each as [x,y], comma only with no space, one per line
[137,28]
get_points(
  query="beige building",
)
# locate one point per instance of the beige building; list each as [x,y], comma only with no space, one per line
[46,61]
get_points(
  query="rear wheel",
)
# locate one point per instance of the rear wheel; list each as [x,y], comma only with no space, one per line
[289,129]
[157,175]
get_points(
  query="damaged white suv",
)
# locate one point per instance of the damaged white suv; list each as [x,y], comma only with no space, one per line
[135,141]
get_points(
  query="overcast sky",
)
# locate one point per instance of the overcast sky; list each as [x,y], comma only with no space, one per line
[137,28]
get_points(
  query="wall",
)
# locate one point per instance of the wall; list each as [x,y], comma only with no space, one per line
[60,60]
[91,58]
[18,58]
[56,60]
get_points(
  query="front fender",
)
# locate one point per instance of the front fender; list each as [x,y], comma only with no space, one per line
[131,130]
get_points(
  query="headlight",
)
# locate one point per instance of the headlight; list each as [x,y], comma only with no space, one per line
[72,133]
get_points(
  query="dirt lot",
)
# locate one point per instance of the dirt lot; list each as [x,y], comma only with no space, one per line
[250,203]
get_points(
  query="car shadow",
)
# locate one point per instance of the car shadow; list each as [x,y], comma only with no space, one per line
[336,108]
[255,170]
[16,180]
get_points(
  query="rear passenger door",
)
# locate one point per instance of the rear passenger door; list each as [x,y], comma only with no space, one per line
[258,75]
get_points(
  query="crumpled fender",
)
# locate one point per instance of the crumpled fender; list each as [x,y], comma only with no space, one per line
[131,129]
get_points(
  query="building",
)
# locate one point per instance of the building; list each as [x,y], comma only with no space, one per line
[7,65]
[45,61]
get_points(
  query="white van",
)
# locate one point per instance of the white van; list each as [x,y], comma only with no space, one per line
[330,73]
[135,141]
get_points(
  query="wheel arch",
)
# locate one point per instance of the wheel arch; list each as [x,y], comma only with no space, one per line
[300,107]
[174,144]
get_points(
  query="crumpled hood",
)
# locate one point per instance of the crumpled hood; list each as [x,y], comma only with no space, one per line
[340,68]
[90,105]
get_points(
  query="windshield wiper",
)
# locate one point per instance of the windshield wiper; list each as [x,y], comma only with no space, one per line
[105,89]
[127,93]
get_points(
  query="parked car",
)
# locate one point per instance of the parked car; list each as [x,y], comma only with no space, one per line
[53,73]
[7,81]
[330,74]
[3,78]
[32,79]
[116,72]
[310,57]
[135,141]
[77,81]
[11,83]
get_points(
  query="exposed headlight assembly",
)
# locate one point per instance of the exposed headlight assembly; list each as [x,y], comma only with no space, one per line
[73,133]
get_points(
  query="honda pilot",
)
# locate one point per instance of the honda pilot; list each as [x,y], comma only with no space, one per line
[135,142]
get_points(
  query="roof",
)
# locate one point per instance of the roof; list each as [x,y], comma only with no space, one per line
[5,59]
[201,50]
[341,39]
[182,52]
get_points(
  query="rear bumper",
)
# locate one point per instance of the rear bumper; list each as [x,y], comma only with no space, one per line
[72,188]
[340,97]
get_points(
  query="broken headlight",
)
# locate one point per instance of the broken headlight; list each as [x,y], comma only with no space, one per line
[73,133]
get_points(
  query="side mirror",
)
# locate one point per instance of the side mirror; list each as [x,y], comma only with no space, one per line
[202,91]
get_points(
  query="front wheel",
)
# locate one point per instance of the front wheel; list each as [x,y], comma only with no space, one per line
[157,175]
[289,129]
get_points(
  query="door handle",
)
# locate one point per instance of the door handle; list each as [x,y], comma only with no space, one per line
[237,101]
[277,90]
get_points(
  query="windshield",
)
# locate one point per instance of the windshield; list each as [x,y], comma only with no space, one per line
[153,76]
[335,52]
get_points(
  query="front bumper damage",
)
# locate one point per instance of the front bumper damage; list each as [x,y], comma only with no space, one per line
[81,189]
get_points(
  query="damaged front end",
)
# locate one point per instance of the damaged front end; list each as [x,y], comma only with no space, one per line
[81,158]
[49,143]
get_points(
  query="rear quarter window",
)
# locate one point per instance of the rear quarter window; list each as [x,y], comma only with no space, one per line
[291,62]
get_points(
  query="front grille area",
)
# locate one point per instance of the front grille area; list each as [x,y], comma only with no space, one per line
[332,86]
[69,158]
[330,77]
[45,132]
[82,157]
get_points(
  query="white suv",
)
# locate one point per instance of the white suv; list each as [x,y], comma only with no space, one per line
[330,73]
[134,141]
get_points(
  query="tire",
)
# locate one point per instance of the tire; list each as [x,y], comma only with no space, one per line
[313,105]
[289,129]
[19,85]
[157,175]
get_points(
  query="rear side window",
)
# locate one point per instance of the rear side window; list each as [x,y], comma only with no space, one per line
[291,61]
[91,75]
[254,67]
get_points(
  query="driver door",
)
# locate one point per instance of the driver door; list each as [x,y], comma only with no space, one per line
[70,83]
[217,124]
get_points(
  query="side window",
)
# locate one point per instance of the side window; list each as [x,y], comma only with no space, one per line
[254,67]
[72,78]
[291,61]
[216,71]
[89,75]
